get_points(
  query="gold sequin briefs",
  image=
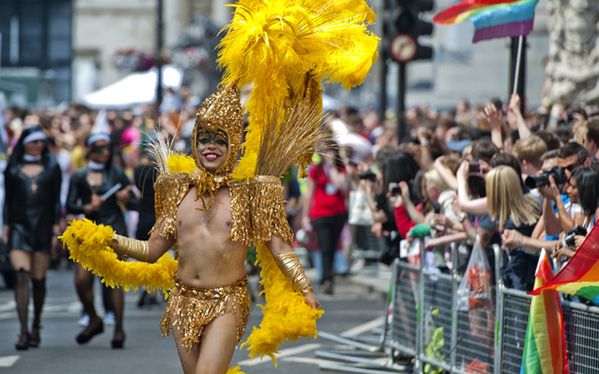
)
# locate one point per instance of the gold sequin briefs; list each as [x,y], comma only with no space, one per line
[190,309]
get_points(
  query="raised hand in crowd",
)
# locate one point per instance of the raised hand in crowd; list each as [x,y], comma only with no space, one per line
[494,117]
[445,172]
[515,118]
[551,191]
[94,204]
[123,195]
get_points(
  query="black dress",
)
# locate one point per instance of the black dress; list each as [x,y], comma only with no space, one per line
[144,176]
[32,205]
[80,194]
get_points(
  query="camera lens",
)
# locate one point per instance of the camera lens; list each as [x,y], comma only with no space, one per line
[533,182]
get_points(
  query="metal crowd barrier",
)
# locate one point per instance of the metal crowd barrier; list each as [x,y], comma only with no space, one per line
[424,322]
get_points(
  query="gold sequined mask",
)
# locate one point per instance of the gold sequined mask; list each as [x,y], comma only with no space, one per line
[220,112]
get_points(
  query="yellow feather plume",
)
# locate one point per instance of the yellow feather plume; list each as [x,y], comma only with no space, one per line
[180,163]
[286,314]
[273,44]
[89,245]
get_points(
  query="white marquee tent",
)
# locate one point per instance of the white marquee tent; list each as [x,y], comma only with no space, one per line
[134,89]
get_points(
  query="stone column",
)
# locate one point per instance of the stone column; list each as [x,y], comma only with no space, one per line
[573,60]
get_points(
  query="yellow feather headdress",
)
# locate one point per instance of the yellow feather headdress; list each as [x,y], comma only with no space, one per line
[276,45]
[284,49]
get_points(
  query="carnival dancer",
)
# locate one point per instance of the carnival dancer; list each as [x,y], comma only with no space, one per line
[31,222]
[96,191]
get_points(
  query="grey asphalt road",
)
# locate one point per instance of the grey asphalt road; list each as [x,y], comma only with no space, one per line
[352,310]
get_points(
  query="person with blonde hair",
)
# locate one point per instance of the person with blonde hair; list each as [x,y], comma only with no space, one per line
[513,210]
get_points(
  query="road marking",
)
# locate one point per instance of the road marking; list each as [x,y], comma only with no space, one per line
[287,353]
[309,360]
[8,361]
[354,331]
[284,353]
[8,311]
[11,305]
[70,307]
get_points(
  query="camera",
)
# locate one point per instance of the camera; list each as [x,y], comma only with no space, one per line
[543,180]
[368,175]
[569,238]
[394,189]
[474,168]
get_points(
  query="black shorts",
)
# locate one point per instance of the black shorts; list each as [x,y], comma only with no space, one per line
[28,240]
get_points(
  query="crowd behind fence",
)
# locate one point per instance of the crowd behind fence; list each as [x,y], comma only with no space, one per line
[424,322]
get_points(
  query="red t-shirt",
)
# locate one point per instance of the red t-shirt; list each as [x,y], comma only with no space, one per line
[327,201]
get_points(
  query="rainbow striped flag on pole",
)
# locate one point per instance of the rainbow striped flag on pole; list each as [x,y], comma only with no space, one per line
[580,276]
[545,341]
[492,18]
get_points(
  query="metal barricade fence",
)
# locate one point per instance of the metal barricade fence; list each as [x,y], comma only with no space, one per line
[436,322]
[582,337]
[424,322]
[514,318]
[404,313]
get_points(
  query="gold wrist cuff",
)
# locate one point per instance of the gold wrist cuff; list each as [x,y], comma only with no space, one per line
[137,249]
[292,268]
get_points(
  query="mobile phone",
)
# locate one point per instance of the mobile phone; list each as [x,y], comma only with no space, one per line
[474,168]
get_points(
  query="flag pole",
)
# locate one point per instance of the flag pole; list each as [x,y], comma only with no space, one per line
[517,69]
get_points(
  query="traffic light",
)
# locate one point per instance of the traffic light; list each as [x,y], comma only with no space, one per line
[405,25]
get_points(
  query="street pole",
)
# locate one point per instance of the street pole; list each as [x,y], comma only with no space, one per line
[383,68]
[382,107]
[520,66]
[401,101]
[159,37]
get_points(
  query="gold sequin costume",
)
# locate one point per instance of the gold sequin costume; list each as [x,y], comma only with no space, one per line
[258,213]
[190,309]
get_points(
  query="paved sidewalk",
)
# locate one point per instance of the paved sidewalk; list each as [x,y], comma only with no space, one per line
[374,277]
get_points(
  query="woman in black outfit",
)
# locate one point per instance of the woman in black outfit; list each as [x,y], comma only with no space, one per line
[144,176]
[86,190]
[31,222]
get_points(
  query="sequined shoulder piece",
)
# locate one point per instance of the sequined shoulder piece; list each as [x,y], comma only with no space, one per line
[258,209]
[170,189]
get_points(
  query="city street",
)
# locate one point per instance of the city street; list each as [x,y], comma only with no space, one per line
[352,310]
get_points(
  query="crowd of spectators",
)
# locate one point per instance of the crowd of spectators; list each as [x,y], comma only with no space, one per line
[524,180]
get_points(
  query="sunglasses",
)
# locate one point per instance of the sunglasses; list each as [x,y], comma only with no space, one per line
[39,141]
[570,168]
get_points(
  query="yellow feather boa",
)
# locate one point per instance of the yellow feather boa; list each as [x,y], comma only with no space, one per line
[89,245]
[286,316]
[235,370]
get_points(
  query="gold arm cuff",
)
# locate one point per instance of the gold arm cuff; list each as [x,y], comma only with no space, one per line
[291,267]
[137,249]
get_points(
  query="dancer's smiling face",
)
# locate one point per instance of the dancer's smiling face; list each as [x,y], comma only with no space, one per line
[212,149]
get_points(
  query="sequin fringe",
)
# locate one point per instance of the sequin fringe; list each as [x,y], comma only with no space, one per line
[190,310]
[258,209]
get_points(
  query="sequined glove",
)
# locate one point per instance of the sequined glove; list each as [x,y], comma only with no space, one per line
[292,268]
[137,249]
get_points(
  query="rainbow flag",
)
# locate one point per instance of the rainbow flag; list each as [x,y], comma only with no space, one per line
[545,341]
[492,18]
[580,276]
